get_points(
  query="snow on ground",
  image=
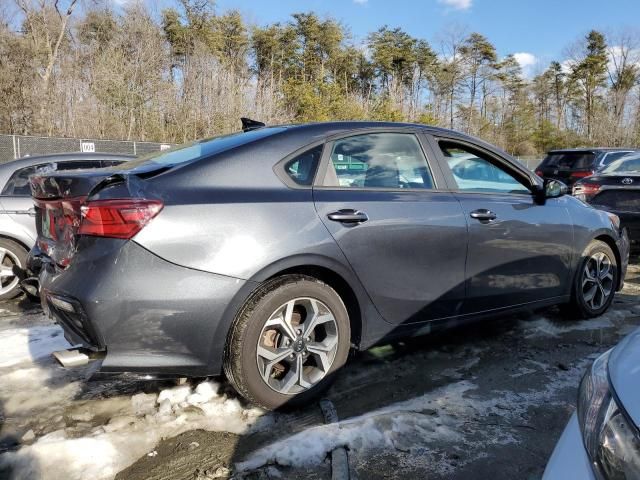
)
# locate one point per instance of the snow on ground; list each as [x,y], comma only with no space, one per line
[543,326]
[99,452]
[428,420]
[19,345]
[77,436]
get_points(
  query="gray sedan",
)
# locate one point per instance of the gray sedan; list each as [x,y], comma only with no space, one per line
[270,254]
[17,212]
[602,439]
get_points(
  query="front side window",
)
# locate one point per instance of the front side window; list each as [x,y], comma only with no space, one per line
[302,168]
[378,160]
[474,171]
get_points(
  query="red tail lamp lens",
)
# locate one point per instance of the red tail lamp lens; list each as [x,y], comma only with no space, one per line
[119,218]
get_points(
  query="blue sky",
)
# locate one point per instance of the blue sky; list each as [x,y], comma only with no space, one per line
[540,28]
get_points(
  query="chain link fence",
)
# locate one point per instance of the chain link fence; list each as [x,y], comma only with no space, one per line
[17,146]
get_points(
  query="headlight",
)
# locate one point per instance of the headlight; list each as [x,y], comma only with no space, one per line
[615,220]
[611,440]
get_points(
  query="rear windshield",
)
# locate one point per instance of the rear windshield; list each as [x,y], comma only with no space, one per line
[631,164]
[570,160]
[613,156]
[188,152]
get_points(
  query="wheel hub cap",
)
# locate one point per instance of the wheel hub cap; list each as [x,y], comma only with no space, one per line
[597,280]
[297,345]
[8,280]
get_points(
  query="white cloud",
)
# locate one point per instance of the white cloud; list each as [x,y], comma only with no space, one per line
[360,2]
[457,4]
[526,60]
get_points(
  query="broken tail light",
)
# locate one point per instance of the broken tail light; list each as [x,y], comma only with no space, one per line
[117,218]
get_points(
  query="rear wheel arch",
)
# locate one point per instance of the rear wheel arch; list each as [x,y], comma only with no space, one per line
[342,288]
[324,269]
[16,240]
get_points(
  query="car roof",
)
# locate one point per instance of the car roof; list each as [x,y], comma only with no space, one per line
[592,150]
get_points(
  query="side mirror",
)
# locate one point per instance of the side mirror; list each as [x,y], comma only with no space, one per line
[554,188]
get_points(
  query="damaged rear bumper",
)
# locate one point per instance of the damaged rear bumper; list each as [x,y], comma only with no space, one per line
[148,315]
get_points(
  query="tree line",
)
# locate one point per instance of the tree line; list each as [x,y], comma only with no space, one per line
[85,70]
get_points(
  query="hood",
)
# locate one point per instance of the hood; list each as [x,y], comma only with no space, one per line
[624,373]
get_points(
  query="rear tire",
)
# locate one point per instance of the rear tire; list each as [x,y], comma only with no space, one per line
[287,342]
[11,253]
[595,282]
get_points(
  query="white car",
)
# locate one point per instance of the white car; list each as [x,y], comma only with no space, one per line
[602,439]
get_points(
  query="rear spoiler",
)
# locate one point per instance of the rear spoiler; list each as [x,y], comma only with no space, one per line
[248,124]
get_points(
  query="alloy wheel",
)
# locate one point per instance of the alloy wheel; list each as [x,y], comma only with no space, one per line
[8,280]
[597,280]
[297,345]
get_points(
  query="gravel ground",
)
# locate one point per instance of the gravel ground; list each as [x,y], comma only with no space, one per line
[489,399]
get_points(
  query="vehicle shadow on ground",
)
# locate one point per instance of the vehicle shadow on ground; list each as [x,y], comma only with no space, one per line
[353,394]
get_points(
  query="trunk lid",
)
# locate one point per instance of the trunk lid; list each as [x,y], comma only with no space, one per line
[60,198]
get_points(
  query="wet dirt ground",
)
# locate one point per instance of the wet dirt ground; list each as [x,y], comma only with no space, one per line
[486,400]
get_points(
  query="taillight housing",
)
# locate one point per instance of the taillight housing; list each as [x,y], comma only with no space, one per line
[586,190]
[117,218]
[539,173]
[582,174]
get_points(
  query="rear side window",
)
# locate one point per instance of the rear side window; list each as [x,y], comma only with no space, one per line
[378,160]
[570,160]
[302,169]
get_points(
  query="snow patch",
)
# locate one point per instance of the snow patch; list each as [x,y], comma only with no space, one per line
[437,417]
[18,345]
[105,450]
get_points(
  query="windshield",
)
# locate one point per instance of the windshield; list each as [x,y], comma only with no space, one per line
[630,164]
[571,160]
[188,152]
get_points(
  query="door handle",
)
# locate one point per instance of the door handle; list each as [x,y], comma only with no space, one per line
[348,216]
[483,215]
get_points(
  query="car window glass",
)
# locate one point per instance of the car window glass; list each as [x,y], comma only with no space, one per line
[18,183]
[473,171]
[303,167]
[111,163]
[612,157]
[569,160]
[630,164]
[77,164]
[378,160]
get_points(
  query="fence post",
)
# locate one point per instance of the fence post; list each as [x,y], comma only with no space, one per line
[135,151]
[15,152]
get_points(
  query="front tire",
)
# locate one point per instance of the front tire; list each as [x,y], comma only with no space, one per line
[595,282]
[11,253]
[287,342]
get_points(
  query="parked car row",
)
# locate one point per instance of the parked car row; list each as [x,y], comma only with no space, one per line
[608,179]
